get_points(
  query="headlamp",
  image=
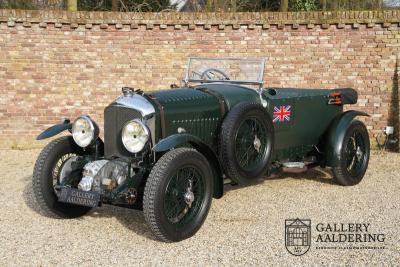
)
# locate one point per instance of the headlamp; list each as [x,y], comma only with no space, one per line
[135,135]
[84,131]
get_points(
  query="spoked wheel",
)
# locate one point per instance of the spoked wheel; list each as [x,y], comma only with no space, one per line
[63,169]
[52,168]
[184,195]
[246,142]
[250,143]
[178,194]
[354,155]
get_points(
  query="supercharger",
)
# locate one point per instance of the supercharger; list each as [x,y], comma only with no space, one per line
[104,175]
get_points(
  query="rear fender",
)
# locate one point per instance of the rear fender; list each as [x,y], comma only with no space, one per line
[175,140]
[55,129]
[335,135]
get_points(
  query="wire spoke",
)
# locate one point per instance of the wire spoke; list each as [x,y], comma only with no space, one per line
[250,143]
[186,180]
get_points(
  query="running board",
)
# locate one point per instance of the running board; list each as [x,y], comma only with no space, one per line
[294,167]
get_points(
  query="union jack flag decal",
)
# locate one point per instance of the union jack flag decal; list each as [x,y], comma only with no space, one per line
[282,113]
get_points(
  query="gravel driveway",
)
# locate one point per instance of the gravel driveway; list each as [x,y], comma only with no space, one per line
[245,227]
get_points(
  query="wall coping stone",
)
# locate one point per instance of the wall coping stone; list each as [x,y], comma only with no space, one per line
[251,19]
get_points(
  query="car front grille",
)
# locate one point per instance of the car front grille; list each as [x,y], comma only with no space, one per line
[115,118]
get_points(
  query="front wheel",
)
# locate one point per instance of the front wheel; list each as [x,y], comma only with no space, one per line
[52,167]
[354,155]
[178,194]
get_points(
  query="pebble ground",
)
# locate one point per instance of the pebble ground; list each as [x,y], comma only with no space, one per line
[245,227]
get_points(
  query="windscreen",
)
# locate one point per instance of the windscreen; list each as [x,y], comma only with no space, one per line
[225,70]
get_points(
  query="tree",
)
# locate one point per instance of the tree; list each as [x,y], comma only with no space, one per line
[284,5]
[303,5]
[72,5]
[114,5]
[201,5]
[323,4]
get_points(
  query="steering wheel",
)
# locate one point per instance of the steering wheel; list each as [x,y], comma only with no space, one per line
[214,74]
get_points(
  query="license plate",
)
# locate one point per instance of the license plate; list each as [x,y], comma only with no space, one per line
[79,197]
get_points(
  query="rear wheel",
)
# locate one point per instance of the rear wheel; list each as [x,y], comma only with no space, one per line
[51,168]
[178,194]
[354,155]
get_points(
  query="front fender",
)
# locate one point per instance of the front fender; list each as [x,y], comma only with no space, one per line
[55,129]
[175,140]
[334,138]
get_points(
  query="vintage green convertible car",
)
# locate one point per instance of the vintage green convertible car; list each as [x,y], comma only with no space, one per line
[170,152]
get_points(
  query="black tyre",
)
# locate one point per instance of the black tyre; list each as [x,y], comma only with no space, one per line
[246,142]
[354,155]
[178,194]
[46,174]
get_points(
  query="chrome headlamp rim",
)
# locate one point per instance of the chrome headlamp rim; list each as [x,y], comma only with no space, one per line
[94,132]
[145,129]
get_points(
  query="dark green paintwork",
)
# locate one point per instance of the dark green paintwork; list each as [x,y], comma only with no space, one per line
[199,114]
[335,136]
[233,94]
[54,130]
[195,111]
[313,123]
[176,140]
[310,118]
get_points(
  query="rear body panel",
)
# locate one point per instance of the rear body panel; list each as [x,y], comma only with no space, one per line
[310,117]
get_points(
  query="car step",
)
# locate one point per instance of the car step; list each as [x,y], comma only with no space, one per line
[294,167]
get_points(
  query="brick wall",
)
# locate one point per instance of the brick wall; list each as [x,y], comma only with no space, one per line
[60,64]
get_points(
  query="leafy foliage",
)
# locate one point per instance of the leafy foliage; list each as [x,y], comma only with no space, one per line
[304,5]
[242,5]
[202,5]
[90,5]
[125,5]
[31,4]
[354,5]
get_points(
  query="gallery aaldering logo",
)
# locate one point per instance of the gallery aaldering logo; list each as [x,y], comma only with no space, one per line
[331,236]
[297,236]
[355,236]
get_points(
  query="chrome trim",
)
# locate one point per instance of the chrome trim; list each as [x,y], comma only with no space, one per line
[264,102]
[226,81]
[137,102]
[151,124]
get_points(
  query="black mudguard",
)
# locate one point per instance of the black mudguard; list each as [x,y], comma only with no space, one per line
[175,140]
[55,129]
[335,136]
